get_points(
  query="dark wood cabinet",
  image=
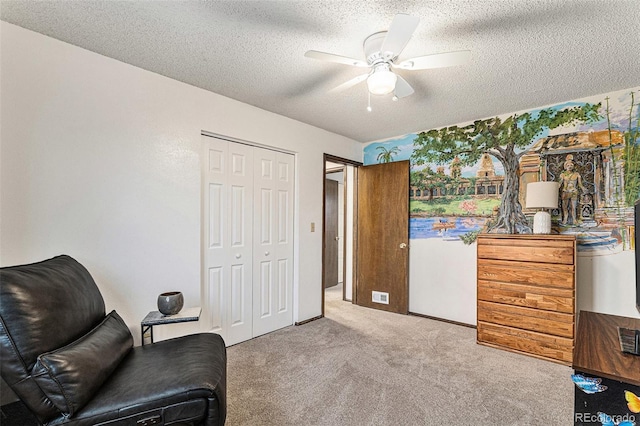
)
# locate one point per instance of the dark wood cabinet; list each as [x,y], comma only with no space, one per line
[598,356]
[526,294]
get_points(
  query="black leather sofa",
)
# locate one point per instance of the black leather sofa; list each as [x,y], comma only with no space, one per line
[71,363]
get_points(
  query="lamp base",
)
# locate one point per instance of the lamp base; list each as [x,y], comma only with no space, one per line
[542,223]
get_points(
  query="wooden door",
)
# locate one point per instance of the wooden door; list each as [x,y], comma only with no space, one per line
[273,240]
[330,269]
[383,237]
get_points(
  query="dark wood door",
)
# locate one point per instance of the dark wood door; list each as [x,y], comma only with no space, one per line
[383,236]
[330,233]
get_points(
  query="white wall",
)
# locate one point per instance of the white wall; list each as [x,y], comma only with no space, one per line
[442,281]
[100,160]
[607,284]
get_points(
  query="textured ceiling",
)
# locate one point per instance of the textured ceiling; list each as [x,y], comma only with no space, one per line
[525,53]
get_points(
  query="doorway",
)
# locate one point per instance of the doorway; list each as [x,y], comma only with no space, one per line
[372,242]
[333,232]
[338,227]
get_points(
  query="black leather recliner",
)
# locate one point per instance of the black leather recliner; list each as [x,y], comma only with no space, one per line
[72,364]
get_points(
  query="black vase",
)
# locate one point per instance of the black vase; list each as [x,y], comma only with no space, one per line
[170,303]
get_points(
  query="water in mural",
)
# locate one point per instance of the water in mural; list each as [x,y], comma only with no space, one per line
[446,228]
[471,178]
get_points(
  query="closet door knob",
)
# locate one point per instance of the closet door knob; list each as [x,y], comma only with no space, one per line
[266,253]
[238,255]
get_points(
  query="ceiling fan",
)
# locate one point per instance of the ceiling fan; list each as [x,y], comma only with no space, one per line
[381,51]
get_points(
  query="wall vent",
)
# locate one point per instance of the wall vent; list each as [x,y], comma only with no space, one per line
[380,297]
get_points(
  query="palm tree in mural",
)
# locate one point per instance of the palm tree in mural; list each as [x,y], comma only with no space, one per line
[386,155]
[499,138]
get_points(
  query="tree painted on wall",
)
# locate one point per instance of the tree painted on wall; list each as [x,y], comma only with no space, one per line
[632,155]
[386,155]
[428,181]
[500,138]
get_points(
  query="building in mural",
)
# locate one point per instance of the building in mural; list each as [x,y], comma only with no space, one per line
[503,138]
[589,166]
[472,178]
[485,183]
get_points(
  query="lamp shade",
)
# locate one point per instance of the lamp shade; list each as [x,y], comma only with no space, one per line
[381,82]
[542,195]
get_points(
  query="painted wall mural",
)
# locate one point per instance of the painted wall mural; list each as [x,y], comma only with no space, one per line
[470,178]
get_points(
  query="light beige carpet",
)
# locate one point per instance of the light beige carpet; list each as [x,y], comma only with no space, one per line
[360,366]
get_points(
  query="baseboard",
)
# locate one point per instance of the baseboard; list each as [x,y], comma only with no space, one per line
[443,320]
[309,320]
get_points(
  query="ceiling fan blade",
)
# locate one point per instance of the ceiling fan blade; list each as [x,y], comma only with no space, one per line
[349,83]
[437,60]
[330,57]
[403,88]
[399,33]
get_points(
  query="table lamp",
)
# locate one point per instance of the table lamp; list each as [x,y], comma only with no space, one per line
[542,195]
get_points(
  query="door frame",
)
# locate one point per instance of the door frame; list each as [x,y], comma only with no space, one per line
[344,161]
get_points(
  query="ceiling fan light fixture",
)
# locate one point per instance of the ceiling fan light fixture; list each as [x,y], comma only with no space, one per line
[382,81]
[381,51]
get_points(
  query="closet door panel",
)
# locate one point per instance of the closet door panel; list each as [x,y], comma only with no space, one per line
[213,308]
[227,220]
[284,279]
[240,243]
[214,182]
[263,246]
[273,181]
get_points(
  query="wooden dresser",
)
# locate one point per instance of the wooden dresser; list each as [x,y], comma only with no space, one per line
[526,294]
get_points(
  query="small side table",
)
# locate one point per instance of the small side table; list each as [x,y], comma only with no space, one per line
[156,318]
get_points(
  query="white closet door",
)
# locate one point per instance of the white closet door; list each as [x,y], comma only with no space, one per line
[273,241]
[228,235]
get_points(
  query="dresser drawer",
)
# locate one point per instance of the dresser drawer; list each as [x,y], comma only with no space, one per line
[527,293]
[531,342]
[538,274]
[521,250]
[553,323]
[530,296]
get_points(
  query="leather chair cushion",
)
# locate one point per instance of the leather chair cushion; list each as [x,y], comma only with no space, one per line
[71,375]
[181,380]
[43,306]
[46,305]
